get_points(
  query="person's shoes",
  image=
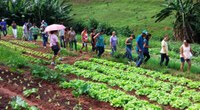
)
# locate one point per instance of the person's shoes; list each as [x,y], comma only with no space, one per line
[129,62]
[52,63]
[45,47]
[60,59]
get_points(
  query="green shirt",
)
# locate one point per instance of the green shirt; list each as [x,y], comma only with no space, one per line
[35,30]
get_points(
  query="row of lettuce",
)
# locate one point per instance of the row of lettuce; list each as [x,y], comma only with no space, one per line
[163,93]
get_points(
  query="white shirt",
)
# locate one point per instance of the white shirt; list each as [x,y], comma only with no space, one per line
[164,44]
[186,52]
[62,32]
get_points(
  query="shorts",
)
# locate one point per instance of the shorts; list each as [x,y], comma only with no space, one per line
[35,37]
[84,44]
[55,49]
[183,60]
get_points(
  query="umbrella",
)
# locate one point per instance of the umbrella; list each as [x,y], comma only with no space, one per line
[54,27]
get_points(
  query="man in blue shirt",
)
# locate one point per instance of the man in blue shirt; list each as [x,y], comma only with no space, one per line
[140,47]
[3,27]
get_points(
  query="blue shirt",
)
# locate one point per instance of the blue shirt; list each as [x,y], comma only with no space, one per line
[140,41]
[100,41]
[146,50]
[3,24]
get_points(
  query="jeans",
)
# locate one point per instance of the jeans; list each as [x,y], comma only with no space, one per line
[4,31]
[163,57]
[45,39]
[114,49]
[14,33]
[147,56]
[128,53]
[30,36]
[100,51]
[71,43]
[62,41]
[140,58]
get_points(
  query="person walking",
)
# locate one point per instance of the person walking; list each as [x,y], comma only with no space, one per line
[14,29]
[35,32]
[3,25]
[25,32]
[129,47]
[62,38]
[66,38]
[44,35]
[185,54]
[54,44]
[99,43]
[29,25]
[113,43]
[164,51]
[72,39]
[140,47]
[84,36]
[146,48]
[93,42]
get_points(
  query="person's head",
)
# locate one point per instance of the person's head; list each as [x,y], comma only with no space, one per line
[67,29]
[148,36]
[85,29]
[132,37]
[101,31]
[34,24]
[166,38]
[71,28]
[144,33]
[53,32]
[113,33]
[186,42]
[13,21]
[93,30]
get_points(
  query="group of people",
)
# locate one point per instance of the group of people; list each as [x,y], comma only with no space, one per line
[68,39]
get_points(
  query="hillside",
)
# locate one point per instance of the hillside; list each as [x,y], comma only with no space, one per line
[134,13]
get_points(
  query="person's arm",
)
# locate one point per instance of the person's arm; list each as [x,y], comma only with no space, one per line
[97,35]
[126,42]
[181,52]
[191,50]
[111,42]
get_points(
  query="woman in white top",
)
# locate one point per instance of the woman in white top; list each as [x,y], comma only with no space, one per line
[164,51]
[185,54]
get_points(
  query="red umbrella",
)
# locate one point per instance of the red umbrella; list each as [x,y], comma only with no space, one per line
[54,27]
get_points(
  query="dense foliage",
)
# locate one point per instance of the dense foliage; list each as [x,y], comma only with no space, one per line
[35,10]
[187,22]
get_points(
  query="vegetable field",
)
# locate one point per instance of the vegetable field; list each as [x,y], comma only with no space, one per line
[81,82]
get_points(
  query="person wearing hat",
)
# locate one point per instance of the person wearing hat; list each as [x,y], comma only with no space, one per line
[185,54]
[164,51]
[140,47]
[3,25]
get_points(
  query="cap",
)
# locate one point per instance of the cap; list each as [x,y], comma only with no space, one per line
[144,32]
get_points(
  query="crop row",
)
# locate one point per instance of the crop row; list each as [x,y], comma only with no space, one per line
[162,92]
[117,98]
[23,43]
[156,75]
[154,94]
[36,60]
[26,50]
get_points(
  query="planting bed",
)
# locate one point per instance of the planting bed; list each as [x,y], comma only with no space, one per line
[99,85]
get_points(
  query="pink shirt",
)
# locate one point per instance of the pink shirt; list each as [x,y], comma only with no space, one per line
[53,40]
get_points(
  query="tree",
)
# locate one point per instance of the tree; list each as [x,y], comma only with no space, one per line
[50,10]
[186,24]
